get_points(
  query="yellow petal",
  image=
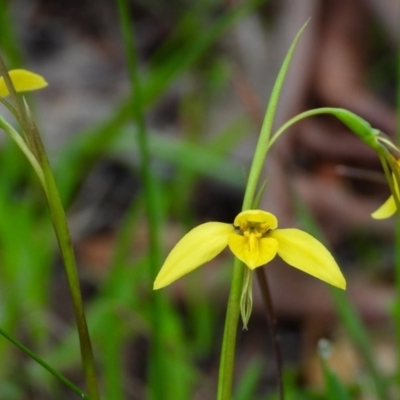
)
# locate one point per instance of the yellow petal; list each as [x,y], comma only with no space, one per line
[198,246]
[23,81]
[302,251]
[252,251]
[256,216]
[386,210]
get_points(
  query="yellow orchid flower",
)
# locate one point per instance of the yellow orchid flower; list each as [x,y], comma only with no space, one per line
[23,81]
[391,158]
[388,208]
[255,240]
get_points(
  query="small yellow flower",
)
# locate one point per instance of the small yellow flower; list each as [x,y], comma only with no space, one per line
[255,240]
[390,156]
[23,81]
[388,208]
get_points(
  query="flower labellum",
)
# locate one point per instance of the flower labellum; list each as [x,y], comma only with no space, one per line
[255,240]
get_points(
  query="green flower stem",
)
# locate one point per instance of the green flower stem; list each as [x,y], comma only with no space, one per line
[46,366]
[64,241]
[359,126]
[61,229]
[233,310]
[36,155]
[227,361]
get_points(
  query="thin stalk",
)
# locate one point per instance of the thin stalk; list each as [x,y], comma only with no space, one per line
[34,151]
[266,295]
[232,315]
[61,229]
[158,370]
[227,362]
[46,366]
[359,126]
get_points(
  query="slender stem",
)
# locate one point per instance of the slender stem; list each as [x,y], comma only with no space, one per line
[297,118]
[36,154]
[232,315]
[61,229]
[266,295]
[46,366]
[229,339]
[359,126]
[158,371]
[64,241]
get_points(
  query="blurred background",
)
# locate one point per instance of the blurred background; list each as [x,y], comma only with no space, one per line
[207,71]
